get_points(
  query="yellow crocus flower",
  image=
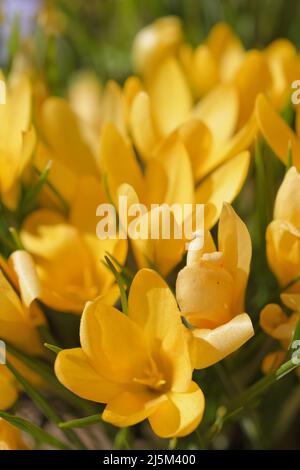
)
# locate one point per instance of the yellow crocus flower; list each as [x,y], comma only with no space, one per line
[279,136]
[17,140]
[214,61]
[19,317]
[96,105]
[10,437]
[154,42]
[68,254]
[210,291]
[138,365]
[281,327]
[207,129]
[67,144]
[167,179]
[283,233]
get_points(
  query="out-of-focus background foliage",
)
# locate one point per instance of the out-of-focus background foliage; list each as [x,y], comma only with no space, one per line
[63,36]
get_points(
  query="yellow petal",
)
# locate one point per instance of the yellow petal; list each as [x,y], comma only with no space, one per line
[276,324]
[252,78]
[75,372]
[112,106]
[170,96]
[145,134]
[292,301]
[204,70]
[115,345]
[88,196]
[288,198]
[58,175]
[118,162]
[271,317]
[276,132]
[283,251]
[10,437]
[219,111]
[204,293]
[130,408]
[239,142]
[156,41]
[152,305]
[132,87]
[223,184]
[176,163]
[211,346]
[15,322]
[180,415]
[62,132]
[8,389]
[235,243]
[198,141]
[24,267]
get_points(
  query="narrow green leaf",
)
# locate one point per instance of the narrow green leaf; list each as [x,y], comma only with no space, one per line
[120,282]
[16,238]
[52,348]
[127,274]
[35,431]
[81,422]
[290,157]
[30,198]
[61,199]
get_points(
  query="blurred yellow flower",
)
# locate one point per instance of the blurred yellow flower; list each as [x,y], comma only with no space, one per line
[19,317]
[167,179]
[139,364]
[281,327]
[279,136]
[210,291]
[67,144]
[96,105]
[214,61]
[154,42]
[68,255]
[283,233]
[10,437]
[17,140]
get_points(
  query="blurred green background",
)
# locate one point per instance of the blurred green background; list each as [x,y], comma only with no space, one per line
[68,35]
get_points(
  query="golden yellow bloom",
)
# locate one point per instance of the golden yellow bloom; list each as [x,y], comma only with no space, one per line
[139,364]
[167,179]
[67,144]
[283,233]
[17,140]
[10,437]
[8,388]
[19,317]
[281,327]
[284,64]
[214,61]
[68,254]
[210,291]
[154,42]
[97,105]
[277,133]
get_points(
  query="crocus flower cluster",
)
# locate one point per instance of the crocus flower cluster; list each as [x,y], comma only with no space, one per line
[153,312]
